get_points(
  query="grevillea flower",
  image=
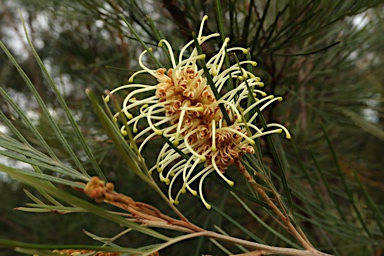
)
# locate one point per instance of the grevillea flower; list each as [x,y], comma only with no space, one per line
[73,252]
[182,107]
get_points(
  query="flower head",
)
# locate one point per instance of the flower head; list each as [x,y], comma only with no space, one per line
[77,252]
[183,108]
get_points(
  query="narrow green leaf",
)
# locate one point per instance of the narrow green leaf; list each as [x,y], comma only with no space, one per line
[242,248]
[13,129]
[310,52]
[160,36]
[32,197]
[272,30]
[49,198]
[241,193]
[222,30]
[126,153]
[252,165]
[342,176]
[25,153]
[246,26]
[45,177]
[260,27]
[220,21]
[16,244]
[148,49]
[237,224]
[304,170]
[278,162]
[225,250]
[170,143]
[273,231]
[347,232]
[50,208]
[136,164]
[108,241]
[367,126]
[376,212]
[68,113]
[208,76]
[77,202]
[330,242]
[51,121]
[326,185]
[34,162]
[21,113]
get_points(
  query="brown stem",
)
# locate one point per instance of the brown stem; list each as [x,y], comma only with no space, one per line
[284,218]
[184,220]
[105,193]
[266,248]
[149,215]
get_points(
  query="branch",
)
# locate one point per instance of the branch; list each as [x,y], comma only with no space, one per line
[285,219]
[150,216]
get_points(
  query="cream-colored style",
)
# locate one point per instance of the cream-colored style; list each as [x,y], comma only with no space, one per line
[182,107]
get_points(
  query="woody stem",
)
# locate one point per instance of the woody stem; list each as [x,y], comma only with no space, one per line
[284,218]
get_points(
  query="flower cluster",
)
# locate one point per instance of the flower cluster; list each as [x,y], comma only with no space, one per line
[78,252]
[182,107]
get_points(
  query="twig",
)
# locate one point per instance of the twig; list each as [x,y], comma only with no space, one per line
[150,216]
[266,248]
[284,218]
